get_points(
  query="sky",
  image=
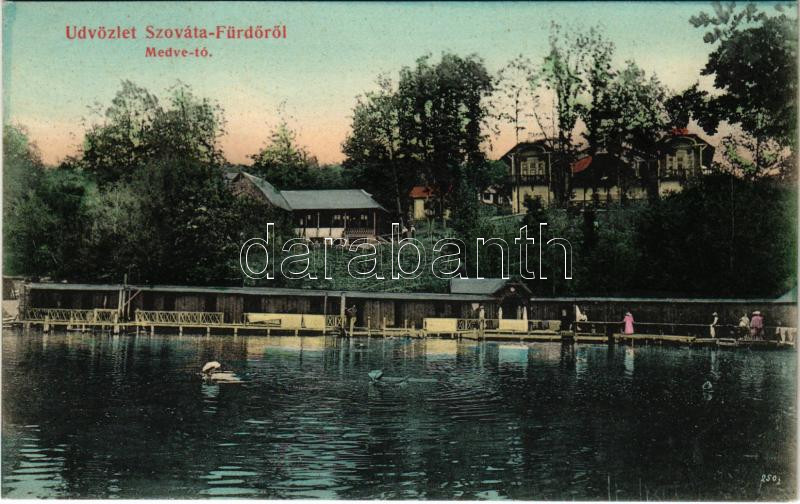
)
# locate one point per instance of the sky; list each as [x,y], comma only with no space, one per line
[333,52]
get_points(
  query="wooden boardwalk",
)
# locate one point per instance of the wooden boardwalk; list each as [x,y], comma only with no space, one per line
[104,320]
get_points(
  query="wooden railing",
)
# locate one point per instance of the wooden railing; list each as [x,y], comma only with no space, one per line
[467,324]
[359,232]
[478,323]
[178,317]
[679,329]
[75,316]
[333,321]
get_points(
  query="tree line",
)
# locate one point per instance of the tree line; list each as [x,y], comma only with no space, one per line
[146,198]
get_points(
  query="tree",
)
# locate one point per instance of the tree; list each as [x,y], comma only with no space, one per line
[632,116]
[577,72]
[46,230]
[282,162]
[44,212]
[373,149]
[562,74]
[754,66]
[598,109]
[442,116]
[513,98]
[428,130]
[137,129]
[615,109]
[745,244]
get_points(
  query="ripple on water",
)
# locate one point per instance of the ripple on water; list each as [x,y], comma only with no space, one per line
[37,473]
[229,491]
[483,422]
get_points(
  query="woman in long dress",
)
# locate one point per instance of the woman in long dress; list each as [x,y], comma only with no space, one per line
[628,321]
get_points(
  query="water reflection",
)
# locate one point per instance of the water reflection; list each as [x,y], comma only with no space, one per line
[129,417]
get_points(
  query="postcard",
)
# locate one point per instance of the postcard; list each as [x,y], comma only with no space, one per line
[400,250]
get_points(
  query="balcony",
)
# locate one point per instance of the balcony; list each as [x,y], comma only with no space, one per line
[528,180]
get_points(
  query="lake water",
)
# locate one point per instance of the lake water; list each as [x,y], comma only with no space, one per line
[128,417]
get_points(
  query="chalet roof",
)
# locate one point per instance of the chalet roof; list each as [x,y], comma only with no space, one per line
[420,192]
[272,194]
[482,286]
[330,199]
[665,141]
[592,170]
[581,164]
[683,133]
[315,199]
[542,144]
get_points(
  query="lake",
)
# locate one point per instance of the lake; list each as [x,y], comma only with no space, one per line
[106,416]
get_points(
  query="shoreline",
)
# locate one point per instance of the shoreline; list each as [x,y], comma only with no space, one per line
[565,338]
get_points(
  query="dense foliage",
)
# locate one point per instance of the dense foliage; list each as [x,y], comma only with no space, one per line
[146,197]
[428,130]
[754,66]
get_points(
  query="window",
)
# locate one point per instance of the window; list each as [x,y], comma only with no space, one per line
[525,168]
[540,168]
[680,160]
[534,167]
[671,166]
[680,163]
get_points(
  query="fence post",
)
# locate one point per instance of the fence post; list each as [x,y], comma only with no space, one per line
[342,302]
[324,313]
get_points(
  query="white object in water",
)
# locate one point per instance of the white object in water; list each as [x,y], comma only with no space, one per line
[209,367]
[225,377]
[707,386]
[375,374]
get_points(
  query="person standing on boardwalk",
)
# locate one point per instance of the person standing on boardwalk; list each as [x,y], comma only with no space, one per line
[744,326]
[756,325]
[712,328]
[628,321]
[564,320]
[351,314]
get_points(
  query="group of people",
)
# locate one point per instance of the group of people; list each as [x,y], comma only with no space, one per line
[751,327]
[754,327]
